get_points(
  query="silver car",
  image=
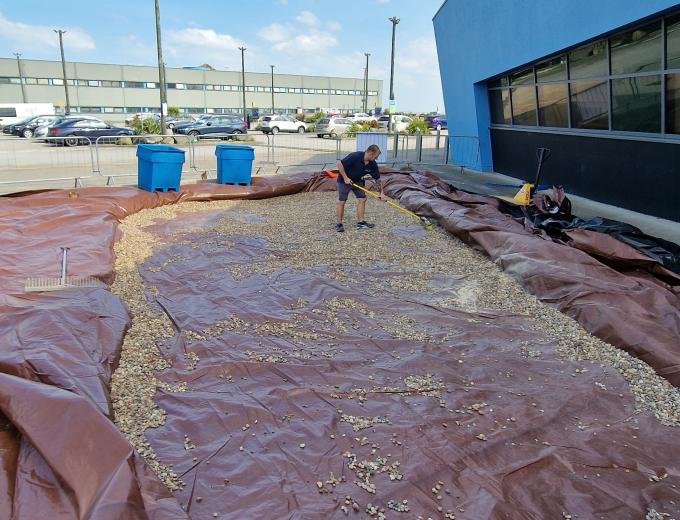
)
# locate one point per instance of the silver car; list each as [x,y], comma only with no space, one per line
[41,131]
[333,126]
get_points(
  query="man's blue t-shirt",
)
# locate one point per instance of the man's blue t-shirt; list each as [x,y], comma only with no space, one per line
[355,168]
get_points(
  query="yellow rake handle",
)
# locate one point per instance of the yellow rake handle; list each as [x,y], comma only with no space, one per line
[393,204]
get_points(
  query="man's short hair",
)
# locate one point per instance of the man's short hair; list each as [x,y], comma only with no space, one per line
[373,148]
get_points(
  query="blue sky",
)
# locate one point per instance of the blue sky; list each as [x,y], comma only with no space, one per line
[297,36]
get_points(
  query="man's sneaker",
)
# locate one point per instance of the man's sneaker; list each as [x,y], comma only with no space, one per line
[364,225]
[340,228]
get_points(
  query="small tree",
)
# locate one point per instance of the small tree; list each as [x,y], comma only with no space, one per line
[173,111]
[315,117]
[417,124]
[148,125]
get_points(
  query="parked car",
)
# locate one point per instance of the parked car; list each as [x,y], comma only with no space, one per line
[172,121]
[332,126]
[177,128]
[437,121]
[85,130]
[224,124]
[9,129]
[276,124]
[362,117]
[401,122]
[28,128]
[40,132]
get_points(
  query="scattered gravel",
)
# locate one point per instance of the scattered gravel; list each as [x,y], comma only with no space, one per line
[299,231]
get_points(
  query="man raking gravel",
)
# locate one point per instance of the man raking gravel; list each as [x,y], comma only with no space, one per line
[353,169]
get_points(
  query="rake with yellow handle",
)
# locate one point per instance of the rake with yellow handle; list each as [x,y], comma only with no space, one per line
[429,226]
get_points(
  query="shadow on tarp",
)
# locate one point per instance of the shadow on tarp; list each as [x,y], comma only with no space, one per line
[58,351]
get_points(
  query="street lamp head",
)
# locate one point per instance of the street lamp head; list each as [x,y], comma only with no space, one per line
[242,49]
[394,20]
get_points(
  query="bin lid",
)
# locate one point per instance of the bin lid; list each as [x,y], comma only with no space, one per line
[234,147]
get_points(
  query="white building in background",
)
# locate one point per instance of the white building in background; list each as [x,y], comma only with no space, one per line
[115,90]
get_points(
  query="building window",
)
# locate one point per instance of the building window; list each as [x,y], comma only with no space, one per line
[638,50]
[91,110]
[210,87]
[523,106]
[552,70]
[280,90]
[673,42]
[57,81]
[110,84]
[617,84]
[500,107]
[43,81]
[151,85]
[93,83]
[194,86]
[589,61]
[636,104]
[522,77]
[552,105]
[590,105]
[133,84]
[673,104]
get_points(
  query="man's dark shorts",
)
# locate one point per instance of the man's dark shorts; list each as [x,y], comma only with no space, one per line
[344,189]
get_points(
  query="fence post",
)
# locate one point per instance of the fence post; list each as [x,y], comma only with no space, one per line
[338,140]
[436,143]
[448,149]
[419,145]
[396,144]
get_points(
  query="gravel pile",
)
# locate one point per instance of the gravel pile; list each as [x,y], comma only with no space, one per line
[299,233]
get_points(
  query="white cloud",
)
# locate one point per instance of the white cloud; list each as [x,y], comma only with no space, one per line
[310,42]
[193,45]
[25,37]
[275,33]
[307,18]
[382,1]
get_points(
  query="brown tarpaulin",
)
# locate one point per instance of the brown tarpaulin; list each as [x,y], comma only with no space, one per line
[60,453]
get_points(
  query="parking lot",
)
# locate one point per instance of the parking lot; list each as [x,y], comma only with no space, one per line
[29,164]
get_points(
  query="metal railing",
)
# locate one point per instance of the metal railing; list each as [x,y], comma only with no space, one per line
[107,158]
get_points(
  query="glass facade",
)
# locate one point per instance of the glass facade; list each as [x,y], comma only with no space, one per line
[627,82]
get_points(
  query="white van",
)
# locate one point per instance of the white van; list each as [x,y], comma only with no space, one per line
[14,112]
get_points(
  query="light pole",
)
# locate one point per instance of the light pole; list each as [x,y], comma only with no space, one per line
[21,77]
[366,84]
[272,66]
[161,70]
[63,68]
[243,82]
[394,21]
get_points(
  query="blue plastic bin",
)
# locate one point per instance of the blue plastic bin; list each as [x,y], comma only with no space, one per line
[159,167]
[234,164]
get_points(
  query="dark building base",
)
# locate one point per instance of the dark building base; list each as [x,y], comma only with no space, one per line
[642,176]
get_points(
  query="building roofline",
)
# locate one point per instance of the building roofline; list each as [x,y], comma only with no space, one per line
[193,70]
[440,8]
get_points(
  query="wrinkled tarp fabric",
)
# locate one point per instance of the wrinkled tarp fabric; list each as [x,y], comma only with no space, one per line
[554,443]
[57,351]
[635,313]
[61,456]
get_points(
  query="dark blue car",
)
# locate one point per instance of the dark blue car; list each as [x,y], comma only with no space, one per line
[217,124]
[436,121]
[84,131]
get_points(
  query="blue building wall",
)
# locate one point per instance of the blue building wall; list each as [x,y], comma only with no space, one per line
[477,39]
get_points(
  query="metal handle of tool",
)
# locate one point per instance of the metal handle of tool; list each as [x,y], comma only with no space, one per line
[393,204]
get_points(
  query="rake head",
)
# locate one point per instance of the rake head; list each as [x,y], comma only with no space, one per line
[59,284]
